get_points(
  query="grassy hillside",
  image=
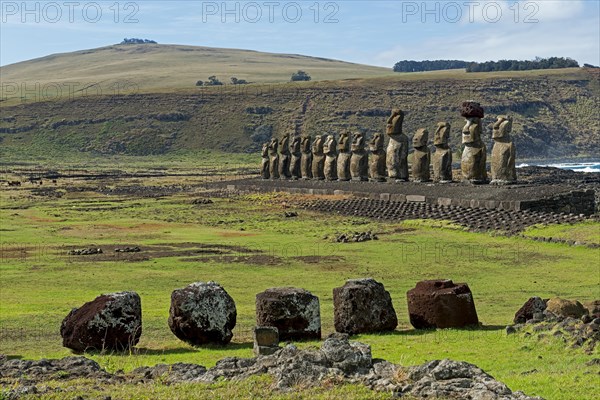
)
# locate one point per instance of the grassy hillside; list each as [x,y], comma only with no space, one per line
[152,67]
[555,115]
[159,110]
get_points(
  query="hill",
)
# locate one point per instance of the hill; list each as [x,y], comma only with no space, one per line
[152,67]
[555,111]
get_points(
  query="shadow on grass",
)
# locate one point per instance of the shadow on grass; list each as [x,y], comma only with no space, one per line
[143,351]
[446,331]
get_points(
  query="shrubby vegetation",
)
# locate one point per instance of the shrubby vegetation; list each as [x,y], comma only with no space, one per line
[236,81]
[429,65]
[488,66]
[516,65]
[300,76]
[137,41]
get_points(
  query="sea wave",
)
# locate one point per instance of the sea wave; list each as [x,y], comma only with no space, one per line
[592,167]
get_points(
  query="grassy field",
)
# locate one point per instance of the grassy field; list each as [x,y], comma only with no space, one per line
[40,283]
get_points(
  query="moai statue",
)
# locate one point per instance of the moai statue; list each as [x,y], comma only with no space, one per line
[330,150]
[344,155]
[359,162]
[397,150]
[273,159]
[442,158]
[473,158]
[306,161]
[264,166]
[295,150]
[377,171]
[285,158]
[421,156]
[318,158]
[503,152]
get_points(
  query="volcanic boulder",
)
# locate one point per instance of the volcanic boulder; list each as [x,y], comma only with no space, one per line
[363,305]
[109,322]
[294,312]
[531,307]
[202,313]
[566,308]
[441,304]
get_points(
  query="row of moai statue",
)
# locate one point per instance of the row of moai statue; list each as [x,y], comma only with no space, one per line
[351,158]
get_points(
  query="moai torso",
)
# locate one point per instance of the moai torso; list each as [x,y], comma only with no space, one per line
[344,155]
[421,156]
[503,153]
[397,150]
[377,170]
[285,158]
[359,162]
[318,161]
[273,159]
[442,158]
[264,166]
[295,170]
[306,161]
[330,150]
[473,158]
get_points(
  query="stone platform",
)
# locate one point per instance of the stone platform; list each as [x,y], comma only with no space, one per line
[551,198]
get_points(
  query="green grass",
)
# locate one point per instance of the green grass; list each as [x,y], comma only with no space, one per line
[40,284]
[586,232]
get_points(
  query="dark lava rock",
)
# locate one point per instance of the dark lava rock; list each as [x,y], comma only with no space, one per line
[202,313]
[531,307]
[363,305]
[294,312]
[441,304]
[109,322]
[470,109]
[84,252]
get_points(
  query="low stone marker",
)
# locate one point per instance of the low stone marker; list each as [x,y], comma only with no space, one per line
[362,306]
[441,304]
[294,312]
[266,340]
[202,313]
[109,322]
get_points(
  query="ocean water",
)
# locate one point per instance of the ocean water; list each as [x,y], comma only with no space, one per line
[592,166]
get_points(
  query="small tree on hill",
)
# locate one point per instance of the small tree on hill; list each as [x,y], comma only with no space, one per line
[199,83]
[300,76]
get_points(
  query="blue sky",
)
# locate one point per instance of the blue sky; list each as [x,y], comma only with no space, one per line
[369,32]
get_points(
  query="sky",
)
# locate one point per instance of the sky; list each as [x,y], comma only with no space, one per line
[368,32]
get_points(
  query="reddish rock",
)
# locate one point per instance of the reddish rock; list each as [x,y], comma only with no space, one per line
[471,109]
[294,312]
[441,304]
[362,306]
[531,307]
[202,313]
[109,322]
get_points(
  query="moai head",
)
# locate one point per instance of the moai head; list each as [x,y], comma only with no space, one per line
[376,142]
[358,142]
[502,127]
[317,145]
[306,141]
[421,138]
[329,147]
[284,144]
[273,144]
[394,122]
[295,145]
[265,149]
[344,142]
[442,134]
[471,133]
